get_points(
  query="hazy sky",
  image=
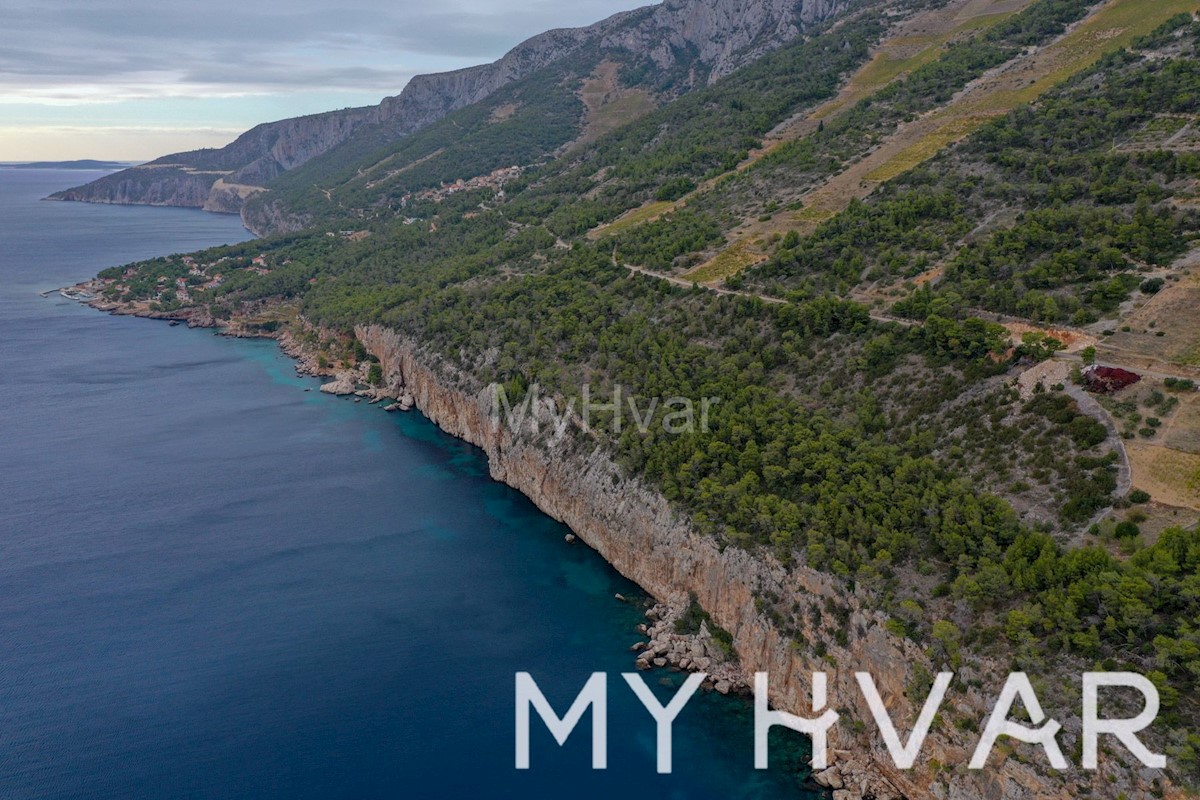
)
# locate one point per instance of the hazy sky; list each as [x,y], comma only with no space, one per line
[136,79]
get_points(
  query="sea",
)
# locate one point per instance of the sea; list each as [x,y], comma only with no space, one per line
[216,582]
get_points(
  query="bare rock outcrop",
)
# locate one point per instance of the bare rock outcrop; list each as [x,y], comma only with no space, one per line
[725,34]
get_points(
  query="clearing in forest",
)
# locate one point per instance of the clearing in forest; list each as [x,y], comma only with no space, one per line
[1161,338]
[1170,476]
[729,261]
[1165,332]
[917,42]
[632,218]
[609,105]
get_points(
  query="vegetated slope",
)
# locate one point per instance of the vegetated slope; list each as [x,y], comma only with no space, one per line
[911,42]
[842,444]
[261,154]
[532,119]
[762,196]
[1072,222]
[702,133]
[805,181]
[675,46]
[219,179]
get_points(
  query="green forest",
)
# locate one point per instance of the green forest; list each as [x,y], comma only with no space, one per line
[892,456]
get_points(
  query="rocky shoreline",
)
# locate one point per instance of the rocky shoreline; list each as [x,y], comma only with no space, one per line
[345,382]
[633,528]
[665,646]
[352,381]
[687,652]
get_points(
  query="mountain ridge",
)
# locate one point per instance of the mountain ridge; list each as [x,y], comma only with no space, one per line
[712,37]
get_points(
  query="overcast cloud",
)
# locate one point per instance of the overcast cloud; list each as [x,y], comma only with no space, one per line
[131,53]
[50,48]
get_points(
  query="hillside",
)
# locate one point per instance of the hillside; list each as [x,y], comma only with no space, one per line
[676,46]
[890,247]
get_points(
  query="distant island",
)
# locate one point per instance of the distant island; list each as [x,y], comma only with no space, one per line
[85,163]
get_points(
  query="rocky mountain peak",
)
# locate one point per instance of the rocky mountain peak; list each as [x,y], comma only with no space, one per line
[710,37]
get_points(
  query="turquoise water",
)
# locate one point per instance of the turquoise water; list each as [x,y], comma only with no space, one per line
[214,584]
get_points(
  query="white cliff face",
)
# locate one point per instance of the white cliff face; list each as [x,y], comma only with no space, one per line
[637,531]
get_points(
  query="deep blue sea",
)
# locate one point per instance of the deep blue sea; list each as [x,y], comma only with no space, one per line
[214,584]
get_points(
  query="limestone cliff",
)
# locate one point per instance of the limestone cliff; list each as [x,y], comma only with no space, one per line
[637,531]
[159,185]
[724,35]
[202,178]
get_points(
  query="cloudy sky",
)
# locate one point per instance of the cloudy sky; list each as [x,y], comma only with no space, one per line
[136,79]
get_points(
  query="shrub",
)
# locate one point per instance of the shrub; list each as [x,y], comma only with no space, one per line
[674,189]
[1126,530]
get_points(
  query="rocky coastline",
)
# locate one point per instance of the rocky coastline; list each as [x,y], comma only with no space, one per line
[687,652]
[637,531]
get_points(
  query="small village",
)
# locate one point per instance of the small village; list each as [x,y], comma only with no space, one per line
[494,180]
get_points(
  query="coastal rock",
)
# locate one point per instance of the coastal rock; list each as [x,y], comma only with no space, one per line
[652,543]
[343,385]
[829,778]
[201,318]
